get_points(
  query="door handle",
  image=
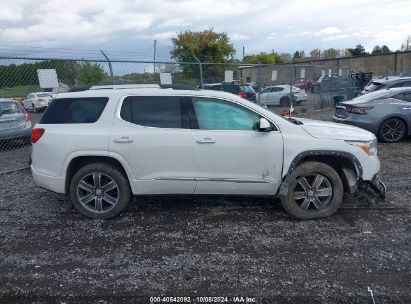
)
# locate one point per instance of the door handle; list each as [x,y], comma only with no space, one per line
[205,141]
[123,140]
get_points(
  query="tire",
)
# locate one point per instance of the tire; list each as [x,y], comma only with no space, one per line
[309,204]
[285,101]
[97,202]
[392,130]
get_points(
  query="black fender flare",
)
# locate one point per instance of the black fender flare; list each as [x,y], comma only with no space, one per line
[297,160]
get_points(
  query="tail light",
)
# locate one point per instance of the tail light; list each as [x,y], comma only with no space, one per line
[26,115]
[36,134]
[242,94]
[358,110]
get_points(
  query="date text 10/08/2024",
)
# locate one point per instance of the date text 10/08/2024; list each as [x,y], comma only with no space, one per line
[203,300]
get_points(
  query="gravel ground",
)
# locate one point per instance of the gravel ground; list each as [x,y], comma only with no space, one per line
[208,246]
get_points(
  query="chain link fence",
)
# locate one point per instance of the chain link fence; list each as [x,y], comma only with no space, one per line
[22,100]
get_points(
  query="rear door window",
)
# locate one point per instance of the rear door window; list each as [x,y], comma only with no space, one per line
[74,110]
[154,111]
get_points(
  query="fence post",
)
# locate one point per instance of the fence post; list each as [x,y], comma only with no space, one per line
[109,66]
[291,82]
[200,65]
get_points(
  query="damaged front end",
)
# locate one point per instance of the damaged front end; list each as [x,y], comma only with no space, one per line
[378,185]
[350,180]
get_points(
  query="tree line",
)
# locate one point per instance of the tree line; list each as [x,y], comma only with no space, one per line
[68,72]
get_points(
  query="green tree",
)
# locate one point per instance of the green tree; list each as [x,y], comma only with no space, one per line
[298,56]
[359,50]
[385,49]
[91,73]
[264,58]
[209,47]
[331,53]
[376,50]
[315,54]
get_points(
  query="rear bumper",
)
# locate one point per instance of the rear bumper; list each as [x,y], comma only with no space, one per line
[53,183]
[16,133]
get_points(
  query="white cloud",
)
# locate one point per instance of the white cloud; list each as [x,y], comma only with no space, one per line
[329,30]
[177,22]
[238,37]
[165,35]
[264,25]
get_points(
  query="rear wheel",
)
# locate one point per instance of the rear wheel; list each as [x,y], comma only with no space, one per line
[392,130]
[315,190]
[99,190]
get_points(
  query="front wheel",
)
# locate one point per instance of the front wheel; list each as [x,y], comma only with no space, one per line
[392,130]
[100,191]
[314,191]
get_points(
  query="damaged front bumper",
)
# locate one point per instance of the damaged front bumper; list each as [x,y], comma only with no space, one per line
[378,186]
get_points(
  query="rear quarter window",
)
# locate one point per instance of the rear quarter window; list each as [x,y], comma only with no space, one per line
[74,110]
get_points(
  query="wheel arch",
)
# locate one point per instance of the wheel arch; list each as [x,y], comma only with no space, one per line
[345,164]
[79,161]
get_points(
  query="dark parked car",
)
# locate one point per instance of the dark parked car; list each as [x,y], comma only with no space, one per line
[387,83]
[244,91]
[14,121]
[303,84]
[386,113]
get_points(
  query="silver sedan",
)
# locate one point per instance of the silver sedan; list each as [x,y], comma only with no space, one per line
[386,113]
[14,121]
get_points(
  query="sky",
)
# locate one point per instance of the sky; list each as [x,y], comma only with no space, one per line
[127,28]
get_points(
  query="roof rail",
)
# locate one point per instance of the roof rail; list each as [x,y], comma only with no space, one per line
[177,87]
[132,86]
[124,86]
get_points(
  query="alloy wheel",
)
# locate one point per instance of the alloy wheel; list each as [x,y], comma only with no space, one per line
[393,130]
[313,192]
[98,192]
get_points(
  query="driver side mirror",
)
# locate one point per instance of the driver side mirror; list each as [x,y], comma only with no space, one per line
[264,125]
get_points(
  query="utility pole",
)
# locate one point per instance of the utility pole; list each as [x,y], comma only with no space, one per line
[155,51]
[243,52]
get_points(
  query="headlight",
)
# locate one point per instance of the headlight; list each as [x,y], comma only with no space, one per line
[369,147]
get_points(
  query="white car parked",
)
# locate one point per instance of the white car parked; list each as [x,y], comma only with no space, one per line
[37,102]
[280,95]
[106,144]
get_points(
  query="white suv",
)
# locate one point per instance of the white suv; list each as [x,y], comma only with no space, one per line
[104,145]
